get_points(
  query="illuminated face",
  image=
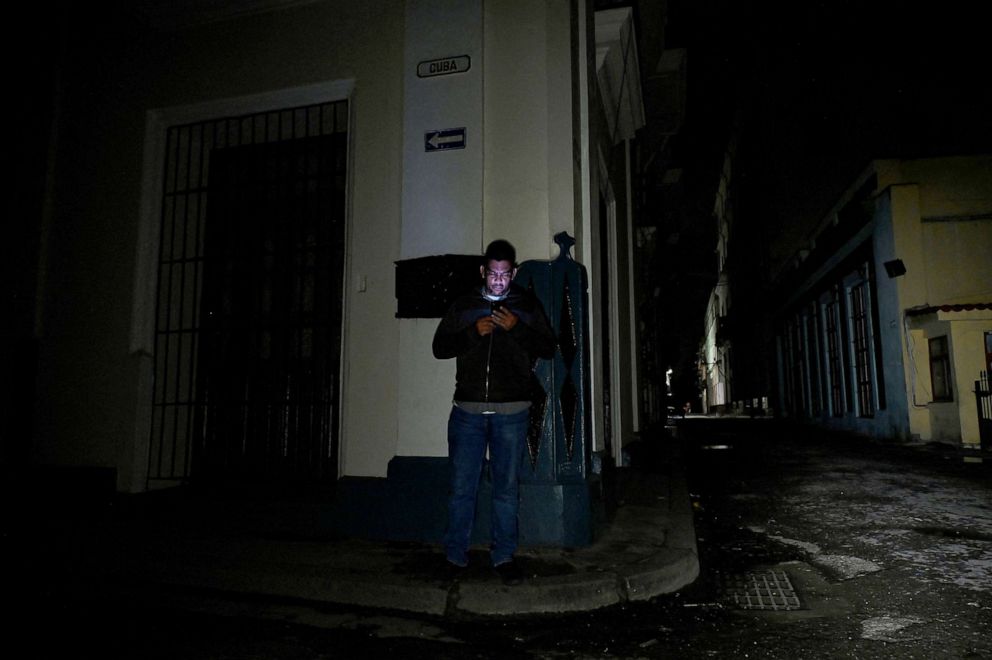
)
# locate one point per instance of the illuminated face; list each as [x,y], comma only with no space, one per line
[497,276]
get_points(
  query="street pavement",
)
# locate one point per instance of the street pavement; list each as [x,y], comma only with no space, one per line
[141,545]
[887,546]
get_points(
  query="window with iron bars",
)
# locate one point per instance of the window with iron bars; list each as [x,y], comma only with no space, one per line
[835,367]
[247,332]
[813,360]
[862,346]
[940,369]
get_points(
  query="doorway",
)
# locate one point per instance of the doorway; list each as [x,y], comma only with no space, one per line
[249,312]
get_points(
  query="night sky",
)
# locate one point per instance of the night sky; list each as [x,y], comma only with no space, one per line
[827,86]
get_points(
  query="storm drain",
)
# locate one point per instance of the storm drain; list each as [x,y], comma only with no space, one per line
[766,590]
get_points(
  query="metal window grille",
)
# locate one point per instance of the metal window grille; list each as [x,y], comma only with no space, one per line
[794,370]
[940,369]
[988,352]
[248,315]
[786,357]
[799,365]
[862,350]
[983,404]
[836,371]
[813,351]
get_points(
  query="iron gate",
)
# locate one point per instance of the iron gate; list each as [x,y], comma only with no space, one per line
[248,322]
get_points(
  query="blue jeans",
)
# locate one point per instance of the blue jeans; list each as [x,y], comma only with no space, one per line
[468,436]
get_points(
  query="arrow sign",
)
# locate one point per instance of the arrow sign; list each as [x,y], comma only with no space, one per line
[444,139]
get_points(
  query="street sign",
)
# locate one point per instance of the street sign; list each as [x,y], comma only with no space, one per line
[444,139]
[444,66]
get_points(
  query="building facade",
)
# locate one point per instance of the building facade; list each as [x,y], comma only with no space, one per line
[230,193]
[888,307]
[715,370]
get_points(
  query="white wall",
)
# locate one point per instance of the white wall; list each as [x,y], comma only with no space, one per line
[442,190]
[513,180]
[442,201]
[426,386]
[528,125]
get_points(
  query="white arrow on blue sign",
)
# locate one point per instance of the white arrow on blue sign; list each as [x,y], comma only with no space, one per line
[444,139]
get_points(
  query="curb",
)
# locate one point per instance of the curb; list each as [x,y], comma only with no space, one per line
[650,551]
[569,593]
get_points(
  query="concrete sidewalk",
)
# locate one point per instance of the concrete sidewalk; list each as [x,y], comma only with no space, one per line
[647,549]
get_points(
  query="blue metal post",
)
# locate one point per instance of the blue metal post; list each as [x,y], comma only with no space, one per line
[555,501]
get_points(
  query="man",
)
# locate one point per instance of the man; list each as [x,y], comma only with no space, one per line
[495,333]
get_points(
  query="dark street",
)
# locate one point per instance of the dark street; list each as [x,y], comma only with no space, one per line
[466,329]
[887,551]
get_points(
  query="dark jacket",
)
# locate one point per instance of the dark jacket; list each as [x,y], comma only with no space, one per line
[499,367]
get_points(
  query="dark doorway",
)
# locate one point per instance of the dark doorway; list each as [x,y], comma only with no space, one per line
[271,333]
[248,336]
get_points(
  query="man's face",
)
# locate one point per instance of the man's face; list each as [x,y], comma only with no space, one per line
[497,276]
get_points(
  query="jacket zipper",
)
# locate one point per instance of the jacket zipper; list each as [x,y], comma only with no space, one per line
[489,356]
[489,353]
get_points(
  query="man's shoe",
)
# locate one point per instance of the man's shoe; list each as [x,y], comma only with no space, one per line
[509,572]
[448,570]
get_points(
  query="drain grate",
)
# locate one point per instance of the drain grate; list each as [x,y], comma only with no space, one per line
[766,590]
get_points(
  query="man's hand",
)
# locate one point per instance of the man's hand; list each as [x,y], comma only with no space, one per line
[484,325]
[501,318]
[504,318]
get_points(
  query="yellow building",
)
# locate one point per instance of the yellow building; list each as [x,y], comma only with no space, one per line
[888,321]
